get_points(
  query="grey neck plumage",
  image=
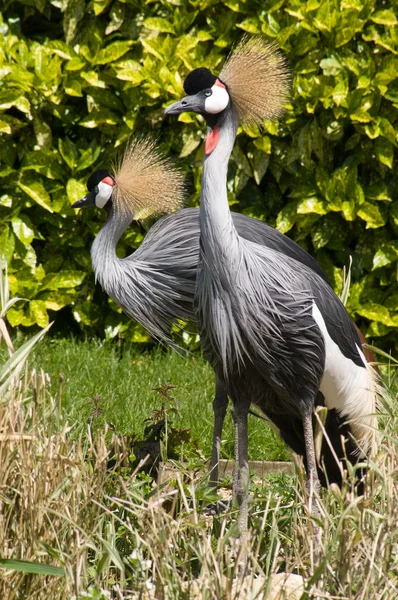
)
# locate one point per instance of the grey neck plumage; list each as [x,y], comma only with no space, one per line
[105,262]
[216,226]
[217,301]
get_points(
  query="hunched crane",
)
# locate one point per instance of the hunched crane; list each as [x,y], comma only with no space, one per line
[273,330]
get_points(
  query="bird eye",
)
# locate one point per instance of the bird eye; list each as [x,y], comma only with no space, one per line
[208,92]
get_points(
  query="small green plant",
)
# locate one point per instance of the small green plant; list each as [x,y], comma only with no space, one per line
[162,440]
[345,290]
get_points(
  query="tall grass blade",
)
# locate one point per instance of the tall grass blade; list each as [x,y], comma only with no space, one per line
[380,352]
[26,566]
[4,289]
[6,336]
[15,363]
[345,292]
[7,305]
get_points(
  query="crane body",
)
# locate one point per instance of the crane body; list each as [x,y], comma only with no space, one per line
[156,284]
[274,332]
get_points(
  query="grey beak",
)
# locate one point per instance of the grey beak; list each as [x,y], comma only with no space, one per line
[88,200]
[187,104]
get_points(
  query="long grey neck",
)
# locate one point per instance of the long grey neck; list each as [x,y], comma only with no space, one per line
[216,225]
[103,251]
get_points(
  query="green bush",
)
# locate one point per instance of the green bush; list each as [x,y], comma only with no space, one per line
[78,78]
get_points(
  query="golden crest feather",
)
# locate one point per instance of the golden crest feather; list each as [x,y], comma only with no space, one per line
[147,183]
[258,80]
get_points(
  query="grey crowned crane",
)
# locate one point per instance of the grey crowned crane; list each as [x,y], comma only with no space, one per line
[273,330]
[155,285]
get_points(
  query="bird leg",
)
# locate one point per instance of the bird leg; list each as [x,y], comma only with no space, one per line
[312,483]
[235,474]
[241,411]
[220,405]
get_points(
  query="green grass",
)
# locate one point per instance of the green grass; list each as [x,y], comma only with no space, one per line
[125,381]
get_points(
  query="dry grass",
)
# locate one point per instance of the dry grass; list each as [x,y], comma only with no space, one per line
[47,492]
[118,536]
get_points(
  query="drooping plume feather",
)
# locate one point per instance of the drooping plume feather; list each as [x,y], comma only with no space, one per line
[258,80]
[146,182]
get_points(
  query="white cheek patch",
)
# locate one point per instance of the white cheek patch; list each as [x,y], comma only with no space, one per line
[217,101]
[103,195]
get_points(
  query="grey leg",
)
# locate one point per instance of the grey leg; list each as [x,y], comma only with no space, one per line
[241,412]
[312,483]
[235,475]
[243,466]
[220,405]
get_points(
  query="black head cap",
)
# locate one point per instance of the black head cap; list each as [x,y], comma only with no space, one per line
[96,177]
[198,80]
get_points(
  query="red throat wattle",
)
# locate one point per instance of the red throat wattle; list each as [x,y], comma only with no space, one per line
[211,140]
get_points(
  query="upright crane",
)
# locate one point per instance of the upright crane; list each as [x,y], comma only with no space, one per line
[274,332]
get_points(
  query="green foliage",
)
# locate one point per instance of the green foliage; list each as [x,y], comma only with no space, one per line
[78,78]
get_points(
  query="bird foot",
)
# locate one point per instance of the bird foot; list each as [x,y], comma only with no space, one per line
[218,508]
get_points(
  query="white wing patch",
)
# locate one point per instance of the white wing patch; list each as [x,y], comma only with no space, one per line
[348,388]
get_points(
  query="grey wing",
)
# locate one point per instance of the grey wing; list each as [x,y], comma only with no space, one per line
[172,244]
[163,273]
[265,235]
[181,230]
[167,261]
